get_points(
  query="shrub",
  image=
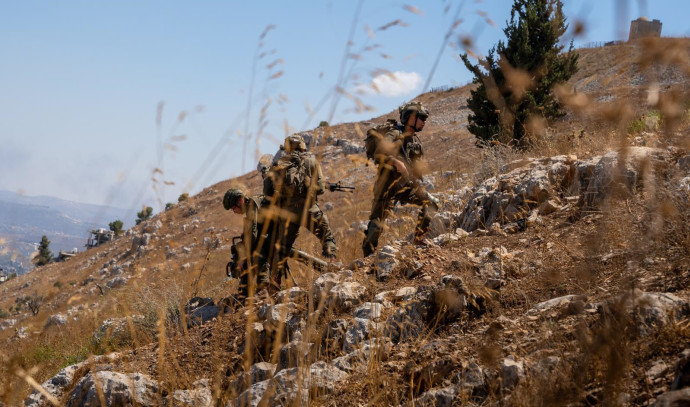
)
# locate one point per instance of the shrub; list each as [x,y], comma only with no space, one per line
[324,123]
[182,197]
[144,214]
[169,206]
[44,255]
[116,227]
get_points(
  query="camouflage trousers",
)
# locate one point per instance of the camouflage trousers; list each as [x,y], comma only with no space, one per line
[284,234]
[388,191]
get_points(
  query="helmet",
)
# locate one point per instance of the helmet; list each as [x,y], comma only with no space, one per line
[231,197]
[295,143]
[407,109]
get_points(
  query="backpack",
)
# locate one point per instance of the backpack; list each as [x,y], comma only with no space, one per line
[292,175]
[376,134]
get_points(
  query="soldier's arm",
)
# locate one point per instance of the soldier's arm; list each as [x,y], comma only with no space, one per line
[269,187]
[320,188]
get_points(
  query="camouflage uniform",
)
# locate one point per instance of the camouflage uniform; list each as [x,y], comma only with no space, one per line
[288,213]
[252,254]
[391,187]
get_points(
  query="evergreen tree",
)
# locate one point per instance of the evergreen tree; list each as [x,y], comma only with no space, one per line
[44,255]
[116,227]
[516,78]
[145,214]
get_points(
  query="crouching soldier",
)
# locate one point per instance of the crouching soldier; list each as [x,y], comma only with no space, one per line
[291,188]
[247,255]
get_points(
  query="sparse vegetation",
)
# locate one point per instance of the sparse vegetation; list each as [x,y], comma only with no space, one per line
[183,197]
[116,227]
[44,255]
[515,80]
[144,215]
[169,206]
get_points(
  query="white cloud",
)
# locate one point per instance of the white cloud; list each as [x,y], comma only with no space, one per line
[392,84]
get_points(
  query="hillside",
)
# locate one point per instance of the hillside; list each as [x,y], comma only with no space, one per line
[24,219]
[556,276]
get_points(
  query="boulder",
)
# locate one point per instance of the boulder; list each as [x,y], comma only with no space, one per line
[200,310]
[682,378]
[369,310]
[386,262]
[443,397]
[116,282]
[56,385]
[258,372]
[346,295]
[117,327]
[118,389]
[408,321]
[359,330]
[512,372]
[292,386]
[294,354]
[199,396]
[471,378]
[56,320]
[294,294]
[529,184]
[675,398]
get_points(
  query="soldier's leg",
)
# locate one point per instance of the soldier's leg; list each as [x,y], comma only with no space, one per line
[379,212]
[419,196]
[289,231]
[385,189]
[318,224]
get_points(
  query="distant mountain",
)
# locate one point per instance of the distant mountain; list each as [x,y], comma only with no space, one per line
[24,219]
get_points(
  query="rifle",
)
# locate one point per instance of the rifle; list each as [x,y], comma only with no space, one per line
[338,186]
[313,261]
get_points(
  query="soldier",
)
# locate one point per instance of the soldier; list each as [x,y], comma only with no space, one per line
[399,157]
[249,254]
[291,188]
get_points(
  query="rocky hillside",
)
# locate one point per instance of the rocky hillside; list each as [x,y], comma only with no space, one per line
[555,276]
[24,219]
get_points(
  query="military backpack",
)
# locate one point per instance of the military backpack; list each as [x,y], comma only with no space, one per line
[376,134]
[292,176]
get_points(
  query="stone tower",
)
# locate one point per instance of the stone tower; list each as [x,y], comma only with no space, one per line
[642,27]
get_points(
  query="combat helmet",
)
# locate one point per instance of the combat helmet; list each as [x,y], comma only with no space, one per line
[231,197]
[295,143]
[407,109]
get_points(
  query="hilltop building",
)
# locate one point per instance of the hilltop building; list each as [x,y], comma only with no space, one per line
[642,28]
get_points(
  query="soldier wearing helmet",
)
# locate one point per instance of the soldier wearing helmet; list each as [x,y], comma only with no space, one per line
[251,253]
[291,188]
[400,168]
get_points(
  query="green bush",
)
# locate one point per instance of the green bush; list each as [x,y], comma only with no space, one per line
[44,255]
[324,123]
[182,197]
[116,227]
[144,214]
[169,206]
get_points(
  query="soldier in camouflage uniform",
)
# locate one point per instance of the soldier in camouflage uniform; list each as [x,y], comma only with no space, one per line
[251,255]
[399,156]
[291,188]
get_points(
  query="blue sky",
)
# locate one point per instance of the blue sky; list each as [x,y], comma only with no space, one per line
[82,83]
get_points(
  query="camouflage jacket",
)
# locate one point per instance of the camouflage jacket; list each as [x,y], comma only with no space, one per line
[276,191]
[406,149]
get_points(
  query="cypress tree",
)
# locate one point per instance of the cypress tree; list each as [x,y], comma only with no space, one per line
[516,78]
[44,255]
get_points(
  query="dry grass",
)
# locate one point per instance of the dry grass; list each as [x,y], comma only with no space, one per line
[599,356]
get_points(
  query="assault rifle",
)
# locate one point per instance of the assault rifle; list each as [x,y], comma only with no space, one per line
[236,266]
[338,186]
